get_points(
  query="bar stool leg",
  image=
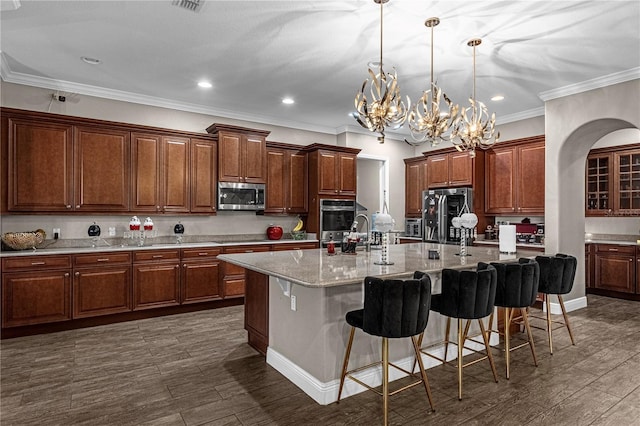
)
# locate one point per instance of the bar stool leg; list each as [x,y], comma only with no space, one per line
[446,339]
[507,338]
[385,379]
[549,324]
[483,331]
[566,319]
[525,318]
[345,363]
[460,346]
[423,373]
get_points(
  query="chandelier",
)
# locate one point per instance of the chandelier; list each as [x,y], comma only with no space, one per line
[385,107]
[427,122]
[477,131]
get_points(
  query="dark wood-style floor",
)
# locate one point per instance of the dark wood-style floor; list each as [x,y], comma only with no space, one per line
[196,369]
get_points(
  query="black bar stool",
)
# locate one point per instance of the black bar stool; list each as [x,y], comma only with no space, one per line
[517,289]
[392,309]
[557,274]
[465,295]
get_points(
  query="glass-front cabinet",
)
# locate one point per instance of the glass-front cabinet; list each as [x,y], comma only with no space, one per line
[613,181]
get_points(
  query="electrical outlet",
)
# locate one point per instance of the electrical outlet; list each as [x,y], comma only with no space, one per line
[293,303]
[112,231]
[56,233]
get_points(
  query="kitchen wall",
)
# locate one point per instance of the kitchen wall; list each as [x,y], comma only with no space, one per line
[370,186]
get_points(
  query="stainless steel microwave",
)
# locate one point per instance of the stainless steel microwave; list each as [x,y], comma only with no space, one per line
[240,196]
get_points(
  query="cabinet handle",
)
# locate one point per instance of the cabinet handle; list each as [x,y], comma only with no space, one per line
[68,206]
[78,206]
[103,260]
[77,274]
[203,253]
[177,266]
[158,256]
[66,274]
[613,249]
[248,251]
[37,263]
[184,266]
[157,208]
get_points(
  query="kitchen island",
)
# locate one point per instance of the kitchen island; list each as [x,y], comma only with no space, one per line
[296,301]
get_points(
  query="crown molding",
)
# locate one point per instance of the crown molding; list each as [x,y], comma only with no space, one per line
[519,116]
[594,83]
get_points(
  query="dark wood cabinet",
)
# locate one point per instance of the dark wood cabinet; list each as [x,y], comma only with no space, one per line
[589,252]
[101,284]
[515,177]
[156,279]
[36,290]
[39,165]
[286,188]
[256,312]
[233,282]
[204,176]
[599,181]
[200,279]
[242,153]
[416,181]
[336,172]
[448,170]
[299,245]
[615,268]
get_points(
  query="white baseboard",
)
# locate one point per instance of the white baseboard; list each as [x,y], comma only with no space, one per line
[569,305]
[325,393]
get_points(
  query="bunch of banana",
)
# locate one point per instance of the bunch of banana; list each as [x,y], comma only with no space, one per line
[299,225]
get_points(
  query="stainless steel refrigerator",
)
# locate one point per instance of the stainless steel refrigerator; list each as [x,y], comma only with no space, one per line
[439,207]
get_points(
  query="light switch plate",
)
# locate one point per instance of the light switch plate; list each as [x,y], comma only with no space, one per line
[293,303]
[112,231]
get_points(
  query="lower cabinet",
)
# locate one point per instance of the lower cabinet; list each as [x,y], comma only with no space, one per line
[101,284]
[613,268]
[156,279]
[233,282]
[200,279]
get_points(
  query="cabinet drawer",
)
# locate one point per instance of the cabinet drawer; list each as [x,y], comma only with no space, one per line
[294,246]
[101,259]
[246,249]
[36,262]
[233,287]
[156,255]
[612,248]
[199,253]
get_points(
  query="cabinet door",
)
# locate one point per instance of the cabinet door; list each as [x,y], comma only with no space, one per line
[101,291]
[156,285]
[175,155]
[626,190]
[40,166]
[254,159]
[588,267]
[297,200]
[438,166]
[347,167]
[101,169]
[530,181]
[200,281]
[146,182]
[229,153]
[275,199]
[599,181]
[615,272]
[499,180]
[35,298]
[327,172]
[415,178]
[204,176]
[234,276]
[460,169]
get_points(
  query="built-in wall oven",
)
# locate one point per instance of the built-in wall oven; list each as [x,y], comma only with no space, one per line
[336,217]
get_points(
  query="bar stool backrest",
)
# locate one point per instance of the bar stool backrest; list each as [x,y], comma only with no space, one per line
[468,294]
[396,308]
[517,283]
[557,273]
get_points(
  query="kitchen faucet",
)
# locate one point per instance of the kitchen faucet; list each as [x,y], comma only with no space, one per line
[367,243]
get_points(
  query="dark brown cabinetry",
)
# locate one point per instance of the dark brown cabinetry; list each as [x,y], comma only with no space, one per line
[36,290]
[416,181]
[286,191]
[233,283]
[334,172]
[200,279]
[515,177]
[160,173]
[448,170]
[242,153]
[615,268]
[204,176]
[613,181]
[156,278]
[101,284]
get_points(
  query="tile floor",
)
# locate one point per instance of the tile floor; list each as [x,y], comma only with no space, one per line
[196,369]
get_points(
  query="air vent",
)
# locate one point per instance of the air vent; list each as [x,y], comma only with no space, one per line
[192,5]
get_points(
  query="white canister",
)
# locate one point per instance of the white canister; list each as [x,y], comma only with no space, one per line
[507,239]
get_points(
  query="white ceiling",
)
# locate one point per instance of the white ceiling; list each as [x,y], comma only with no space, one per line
[257,52]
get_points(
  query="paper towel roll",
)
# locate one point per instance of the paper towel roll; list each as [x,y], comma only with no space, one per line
[507,238]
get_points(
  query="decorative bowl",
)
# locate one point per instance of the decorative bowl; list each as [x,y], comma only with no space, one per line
[23,240]
[299,235]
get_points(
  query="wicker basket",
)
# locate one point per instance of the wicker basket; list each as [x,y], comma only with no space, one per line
[23,240]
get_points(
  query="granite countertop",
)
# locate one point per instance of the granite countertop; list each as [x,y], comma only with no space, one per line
[160,243]
[315,268]
[497,243]
[619,239]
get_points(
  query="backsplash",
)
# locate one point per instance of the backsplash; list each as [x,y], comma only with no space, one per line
[612,225]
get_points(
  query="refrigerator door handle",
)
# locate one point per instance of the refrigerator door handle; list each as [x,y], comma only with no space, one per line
[442,219]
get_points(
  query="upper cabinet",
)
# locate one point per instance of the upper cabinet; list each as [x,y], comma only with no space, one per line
[332,170]
[447,170]
[415,178]
[514,177]
[286,188]
[242,153]
[204,176]
[613,181]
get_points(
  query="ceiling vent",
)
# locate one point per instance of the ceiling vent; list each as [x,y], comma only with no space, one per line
[192,5]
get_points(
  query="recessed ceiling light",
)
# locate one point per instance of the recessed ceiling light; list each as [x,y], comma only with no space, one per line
[288,101]
[497,98]
[91,61]
[205,84]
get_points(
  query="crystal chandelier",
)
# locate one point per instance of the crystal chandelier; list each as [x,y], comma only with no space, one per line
[477,131]
[385,107]
[427,122]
